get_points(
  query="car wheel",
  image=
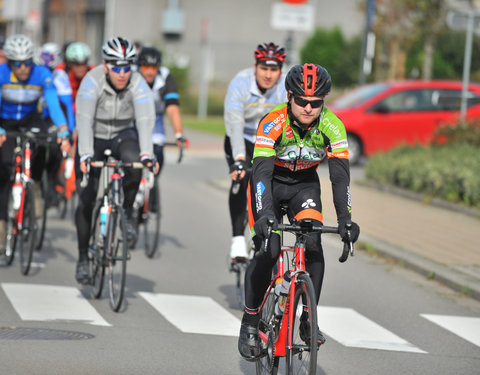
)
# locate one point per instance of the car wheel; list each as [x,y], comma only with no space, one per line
[355,148]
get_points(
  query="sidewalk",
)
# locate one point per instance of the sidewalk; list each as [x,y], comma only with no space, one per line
[438,242]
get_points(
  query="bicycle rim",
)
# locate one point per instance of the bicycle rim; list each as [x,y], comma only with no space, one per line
[301,358]
[268,363]
[117,252]
[27,234]
[96,250]
[151,224]
[11,233]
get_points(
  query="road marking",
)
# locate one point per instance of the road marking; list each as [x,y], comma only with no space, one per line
[194,314]
[352,329]
[51,303]
[466,327]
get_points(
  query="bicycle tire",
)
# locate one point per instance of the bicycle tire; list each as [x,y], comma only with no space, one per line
[117,255]
[301,358]
[269,325]
[96,253]
[42,223]
[12,233]
[151,223]
[27,234]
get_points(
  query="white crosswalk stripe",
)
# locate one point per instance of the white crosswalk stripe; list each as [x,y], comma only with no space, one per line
[203,315]
[51,303]
[355,330]
[467,328]
[194,314]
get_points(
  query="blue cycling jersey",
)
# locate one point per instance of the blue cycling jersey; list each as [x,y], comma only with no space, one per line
[19,99]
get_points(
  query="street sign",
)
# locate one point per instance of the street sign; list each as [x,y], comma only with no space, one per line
[459,21]
[298,17]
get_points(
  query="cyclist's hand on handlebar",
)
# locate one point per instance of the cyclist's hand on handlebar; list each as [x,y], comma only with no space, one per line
[263,224]
[344,232]
[238,170]
[181,140]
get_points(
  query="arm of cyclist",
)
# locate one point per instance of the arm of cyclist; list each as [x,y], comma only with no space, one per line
[144,104]
[3,136]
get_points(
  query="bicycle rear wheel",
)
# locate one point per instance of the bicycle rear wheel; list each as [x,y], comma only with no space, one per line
[117,255]
[151,223]
[302,357]
[42,222]
[268,330]
[96,253]
[27,233]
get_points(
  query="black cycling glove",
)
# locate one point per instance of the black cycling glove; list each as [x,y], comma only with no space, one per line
[238,166]
[354,230]
[262,224]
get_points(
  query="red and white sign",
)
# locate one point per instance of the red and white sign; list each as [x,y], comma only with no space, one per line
[295,15]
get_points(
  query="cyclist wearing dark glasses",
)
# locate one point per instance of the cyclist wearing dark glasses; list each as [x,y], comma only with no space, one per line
[113,105]
[22,84]
[292,140]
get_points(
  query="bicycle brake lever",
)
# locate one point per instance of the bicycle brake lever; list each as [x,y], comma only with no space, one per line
[269,232]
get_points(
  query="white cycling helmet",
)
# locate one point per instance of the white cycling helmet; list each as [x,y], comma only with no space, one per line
[19,48]
[49,55]
[119,51]
[78,53]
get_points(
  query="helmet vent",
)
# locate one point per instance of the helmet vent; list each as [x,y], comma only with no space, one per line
[309,79]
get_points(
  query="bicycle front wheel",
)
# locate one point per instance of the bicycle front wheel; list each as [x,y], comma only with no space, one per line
[27,233]
[42,221]
[117,255]
[301,358]
[96,253]
[268,331]
[12,232]
[151,222]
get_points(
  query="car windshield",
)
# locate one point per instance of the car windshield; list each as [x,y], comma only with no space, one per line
[359,96]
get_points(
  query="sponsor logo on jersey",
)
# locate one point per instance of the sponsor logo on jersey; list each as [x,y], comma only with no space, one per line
[259,189]
[268,127]
[332,127]
[264,141]
[289,132]
[340,144]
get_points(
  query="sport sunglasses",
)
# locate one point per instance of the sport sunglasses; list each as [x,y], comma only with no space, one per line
[118,69]
[18,64]
[303,102]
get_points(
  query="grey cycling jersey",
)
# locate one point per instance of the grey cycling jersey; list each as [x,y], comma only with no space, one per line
[104,113]
[245,106]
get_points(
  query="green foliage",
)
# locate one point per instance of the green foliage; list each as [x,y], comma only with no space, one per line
[331,50]
[212,124]
[463,133]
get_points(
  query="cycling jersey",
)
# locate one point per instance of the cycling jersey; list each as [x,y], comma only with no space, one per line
[103,113]
[74,82]
[285,153]
[245,105]
[19,99]
[165,93]
[64,91]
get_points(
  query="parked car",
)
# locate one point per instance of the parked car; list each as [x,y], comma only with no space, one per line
[384,115]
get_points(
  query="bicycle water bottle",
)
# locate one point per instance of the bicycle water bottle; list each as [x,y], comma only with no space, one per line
[68,168]
[17,194]
[283,289]
[139,197]
[104,211]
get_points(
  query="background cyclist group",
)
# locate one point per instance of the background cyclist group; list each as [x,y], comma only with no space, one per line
[277,132]
[108,106]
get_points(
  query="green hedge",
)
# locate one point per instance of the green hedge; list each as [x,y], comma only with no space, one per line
[450,172]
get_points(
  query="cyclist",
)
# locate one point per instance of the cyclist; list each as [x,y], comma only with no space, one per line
[167,98]
[22,84]
[291,141]
[3,59]
[76,65]
[111,101]
[3,136]
[250,95]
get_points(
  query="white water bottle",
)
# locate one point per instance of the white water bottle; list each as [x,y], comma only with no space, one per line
[17,195]
[103,218]
[68,168]
[282,293]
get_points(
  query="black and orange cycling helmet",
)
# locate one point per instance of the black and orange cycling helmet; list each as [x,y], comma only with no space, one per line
[270,54]
[308,80]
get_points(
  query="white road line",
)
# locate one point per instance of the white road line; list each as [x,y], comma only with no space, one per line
[352,329]
[51,303]
[194,314]
[466,327]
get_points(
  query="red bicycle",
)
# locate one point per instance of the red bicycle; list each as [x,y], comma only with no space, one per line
[21,220]
[289,320]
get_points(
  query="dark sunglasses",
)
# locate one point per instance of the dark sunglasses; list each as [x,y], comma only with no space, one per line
[18,64]
[118,69]
[303,102]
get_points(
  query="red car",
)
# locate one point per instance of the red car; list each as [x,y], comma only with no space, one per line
[384,115]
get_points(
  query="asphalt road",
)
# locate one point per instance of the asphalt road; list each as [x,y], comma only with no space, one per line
[181,316]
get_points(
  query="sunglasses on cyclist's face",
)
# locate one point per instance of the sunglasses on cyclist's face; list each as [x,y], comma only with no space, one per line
[303,102]
[118,69]
[18,64]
